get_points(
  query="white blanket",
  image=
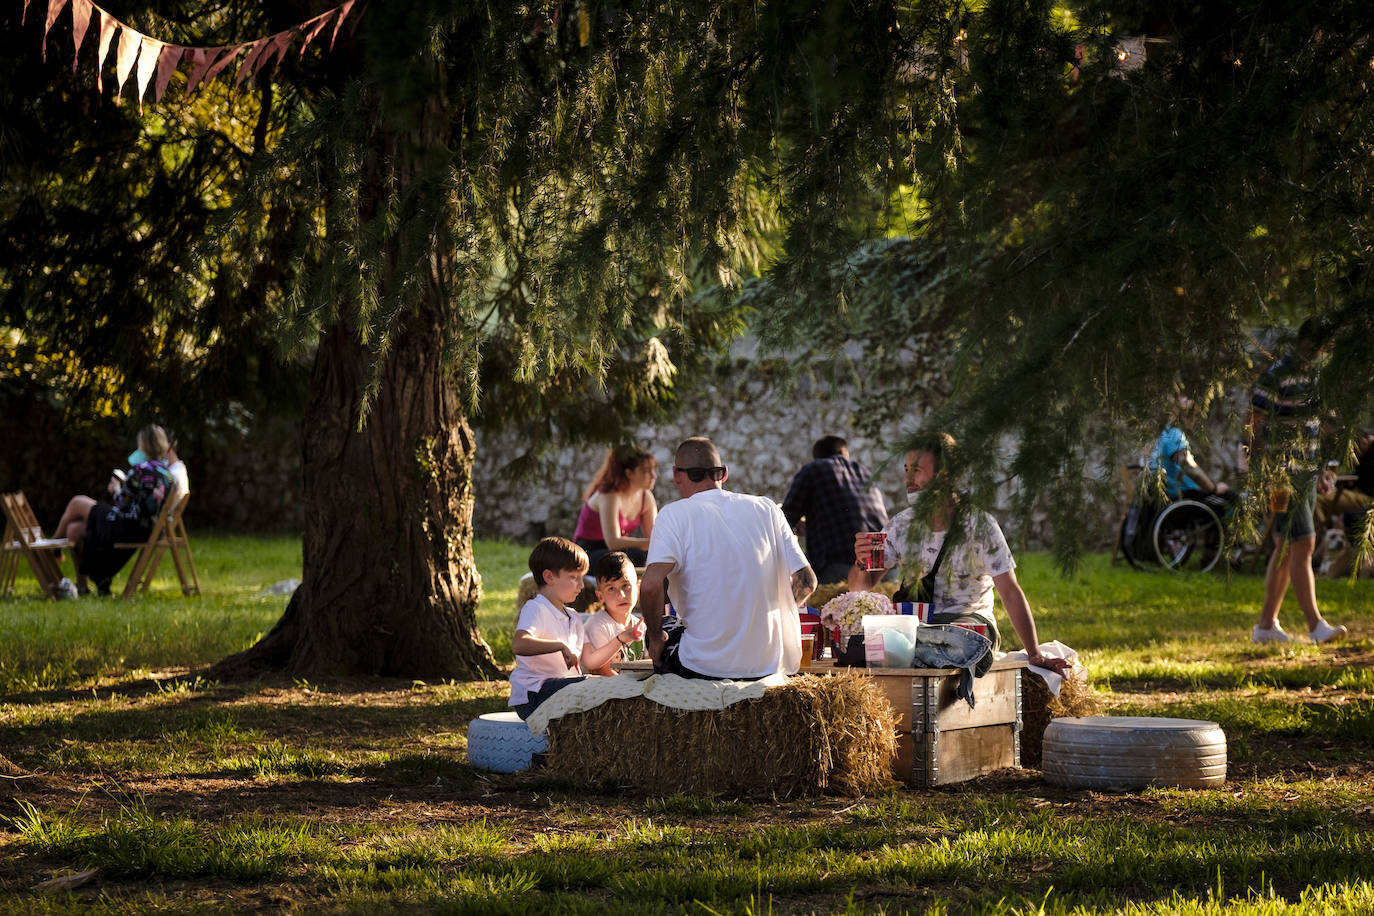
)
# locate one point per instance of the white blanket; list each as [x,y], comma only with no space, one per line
[664,689]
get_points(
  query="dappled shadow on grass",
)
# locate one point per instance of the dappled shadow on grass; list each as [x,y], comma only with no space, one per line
[337,724]
[1089,849]
[192,681]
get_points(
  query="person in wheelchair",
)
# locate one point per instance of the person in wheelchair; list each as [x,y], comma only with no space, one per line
[1179,518]
[1172,459]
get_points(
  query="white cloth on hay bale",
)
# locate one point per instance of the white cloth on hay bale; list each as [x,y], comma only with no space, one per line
[1053,649]
[664,689]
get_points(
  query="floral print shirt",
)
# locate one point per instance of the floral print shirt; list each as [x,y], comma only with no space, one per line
[964,582]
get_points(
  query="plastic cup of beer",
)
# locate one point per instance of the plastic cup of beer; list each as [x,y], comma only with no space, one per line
[875,557]
[1278,499]
[808,649]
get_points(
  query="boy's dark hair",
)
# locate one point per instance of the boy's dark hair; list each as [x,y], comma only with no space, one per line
[611,566]
[556,554]
[828,447]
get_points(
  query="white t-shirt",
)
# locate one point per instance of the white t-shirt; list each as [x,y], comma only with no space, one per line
[601,628]
[541,619]
[964,582]
[732,560]
[181,478]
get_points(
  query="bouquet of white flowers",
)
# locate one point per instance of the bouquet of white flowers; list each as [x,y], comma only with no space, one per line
[846,611]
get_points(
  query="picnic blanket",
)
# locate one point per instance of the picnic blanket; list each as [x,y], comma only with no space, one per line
[663,689]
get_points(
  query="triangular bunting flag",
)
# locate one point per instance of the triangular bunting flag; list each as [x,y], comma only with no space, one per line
[148,55]
[343,14]
[54,7]
[313,27]
[250,60]
[125,54]
[276,48]
[201,59]
[166,66]
[156,61]
[81,19]
[223,61]
[108,27]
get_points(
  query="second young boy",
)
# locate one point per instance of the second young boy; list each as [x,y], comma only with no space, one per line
[613,633]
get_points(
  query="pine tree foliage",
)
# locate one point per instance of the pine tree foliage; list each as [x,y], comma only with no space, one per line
[587,190]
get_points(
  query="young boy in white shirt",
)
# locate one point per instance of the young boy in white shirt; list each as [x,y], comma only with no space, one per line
[549,638]
[613,633]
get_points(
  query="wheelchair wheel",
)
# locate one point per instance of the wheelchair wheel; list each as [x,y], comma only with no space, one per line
[1187,537]
[1133,540]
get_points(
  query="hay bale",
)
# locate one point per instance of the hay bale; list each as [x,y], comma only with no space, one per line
[1039,706]
[525,592]
[816,735]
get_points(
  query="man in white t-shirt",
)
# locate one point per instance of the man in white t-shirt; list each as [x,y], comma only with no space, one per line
[976,562]
[734,572]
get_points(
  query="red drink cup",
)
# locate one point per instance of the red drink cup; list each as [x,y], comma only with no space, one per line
[876,555]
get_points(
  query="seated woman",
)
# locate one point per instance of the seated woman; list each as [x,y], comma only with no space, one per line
[619,501]
[95,527]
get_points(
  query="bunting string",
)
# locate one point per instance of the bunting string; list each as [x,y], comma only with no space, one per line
[152,62]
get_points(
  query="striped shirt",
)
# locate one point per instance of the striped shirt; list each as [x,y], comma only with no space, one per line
[1286,394]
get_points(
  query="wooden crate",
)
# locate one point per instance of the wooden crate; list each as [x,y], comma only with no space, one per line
[940,740]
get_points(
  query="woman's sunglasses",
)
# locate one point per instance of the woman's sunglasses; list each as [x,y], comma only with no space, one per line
[697,475]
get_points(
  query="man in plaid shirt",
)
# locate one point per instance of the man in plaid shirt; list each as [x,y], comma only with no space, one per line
[830,500]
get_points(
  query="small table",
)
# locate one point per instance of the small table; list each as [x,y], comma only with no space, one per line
[940,739]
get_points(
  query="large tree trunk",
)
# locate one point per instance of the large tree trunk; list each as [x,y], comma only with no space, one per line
[389,586]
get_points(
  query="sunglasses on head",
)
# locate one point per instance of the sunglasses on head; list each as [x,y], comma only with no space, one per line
[697,475]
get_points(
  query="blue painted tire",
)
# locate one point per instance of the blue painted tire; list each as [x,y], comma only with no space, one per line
[502,742]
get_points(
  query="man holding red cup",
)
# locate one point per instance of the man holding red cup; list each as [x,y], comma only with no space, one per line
[956,564]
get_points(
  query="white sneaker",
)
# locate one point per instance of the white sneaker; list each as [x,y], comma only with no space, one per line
[1325,632]
[66,588]
[1269,634]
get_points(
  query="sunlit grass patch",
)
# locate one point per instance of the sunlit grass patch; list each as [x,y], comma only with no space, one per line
[215,727]
[277,760]
[413,768]
[133,842]
[648,834]
[695,806]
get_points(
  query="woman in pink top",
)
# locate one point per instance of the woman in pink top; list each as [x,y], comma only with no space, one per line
[619,501]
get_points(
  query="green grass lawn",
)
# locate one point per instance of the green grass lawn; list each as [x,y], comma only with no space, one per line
[184,795]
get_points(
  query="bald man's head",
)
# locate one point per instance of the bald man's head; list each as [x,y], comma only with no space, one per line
[697,452]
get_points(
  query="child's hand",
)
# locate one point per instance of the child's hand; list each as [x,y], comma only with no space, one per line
[569,657]
[633,632]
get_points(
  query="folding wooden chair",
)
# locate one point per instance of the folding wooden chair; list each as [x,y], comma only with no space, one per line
[23,536]
[168,536]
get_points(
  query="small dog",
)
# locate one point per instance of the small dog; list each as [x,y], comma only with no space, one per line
[1338,556]
[1333,549]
